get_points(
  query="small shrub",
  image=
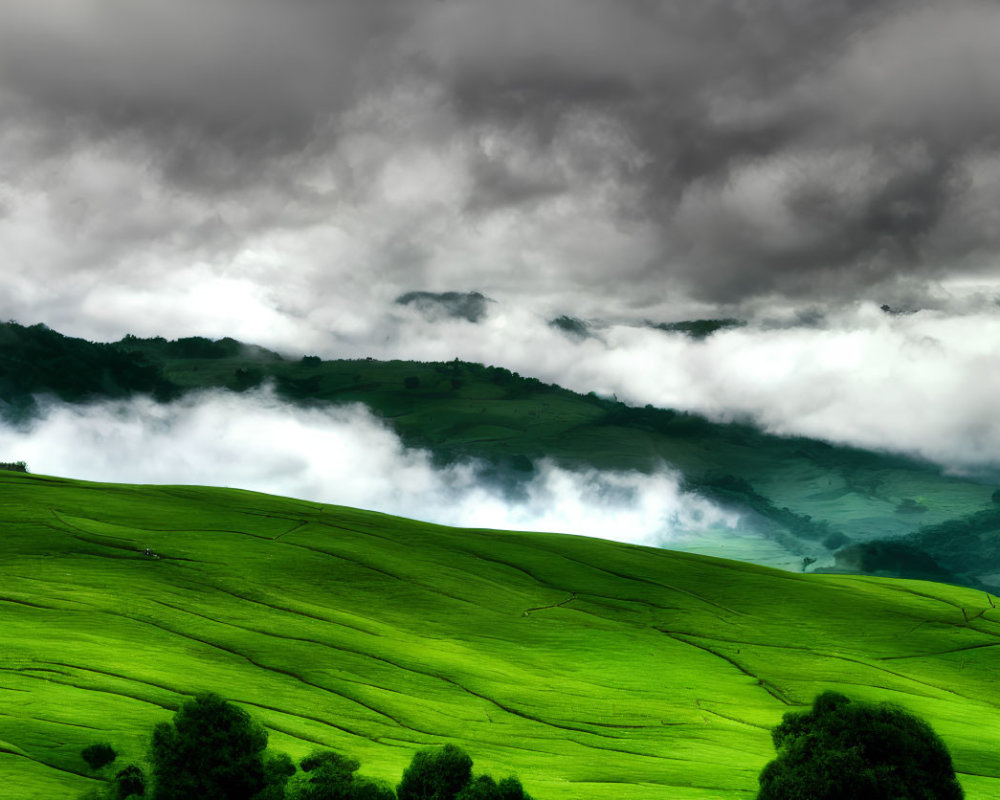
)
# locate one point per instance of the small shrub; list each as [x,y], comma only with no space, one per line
[128,782]
[482,787]
[98,755]
[510,789]
[334,761]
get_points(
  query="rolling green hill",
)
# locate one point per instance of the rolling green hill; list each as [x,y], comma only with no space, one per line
[848,510]
[592,669]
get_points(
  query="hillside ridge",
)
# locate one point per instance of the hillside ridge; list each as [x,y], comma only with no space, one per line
[583,665]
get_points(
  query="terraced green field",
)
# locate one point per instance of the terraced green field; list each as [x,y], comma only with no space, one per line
[590,668]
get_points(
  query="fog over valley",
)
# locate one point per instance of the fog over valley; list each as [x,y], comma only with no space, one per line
[435,180]
[346,456]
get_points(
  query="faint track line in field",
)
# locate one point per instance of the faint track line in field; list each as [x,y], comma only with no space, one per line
[357,561]
[396,665]
[25,674]
[304,640]
[610,600]
[821,654]
[29,605]
[94,538]
[274,607]
[285,672]
[635,579]
[569,599]
[941,652]
[768,687]
[408,579]
[298,736]
[500,561]
[336,527]
[548,585]
[302,524]
[61,585]
[118,675]
[907,590]
[731,719]
[182,694]
[298,524]
[6,751]
[54,722]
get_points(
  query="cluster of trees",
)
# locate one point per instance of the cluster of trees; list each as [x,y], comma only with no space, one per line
[215,750]
[37,360]
[837,750]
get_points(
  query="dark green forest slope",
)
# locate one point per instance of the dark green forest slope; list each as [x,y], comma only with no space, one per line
[852,510]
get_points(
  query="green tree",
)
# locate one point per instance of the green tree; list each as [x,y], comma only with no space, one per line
[843,750]
[335,762]
[482,787]
[128,782]
[98,755]
[278,768]
[510,789]
[330,776]
[212,751]
[435,774]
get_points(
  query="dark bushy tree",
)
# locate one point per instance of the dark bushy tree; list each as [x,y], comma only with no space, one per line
[482,787]
[335,762]
[212,751]
[510,789]
[436,774]
[128,782]
[98,755]
[843,750]
[330,776]
[278,768]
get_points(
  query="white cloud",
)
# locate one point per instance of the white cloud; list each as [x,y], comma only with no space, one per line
[924,384]
[345,456]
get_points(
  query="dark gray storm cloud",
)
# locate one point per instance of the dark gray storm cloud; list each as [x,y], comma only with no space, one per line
[786,146]
[633,150]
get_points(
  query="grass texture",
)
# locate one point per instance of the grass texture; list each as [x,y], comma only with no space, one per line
[593,669]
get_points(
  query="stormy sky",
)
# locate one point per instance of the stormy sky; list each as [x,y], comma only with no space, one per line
[281,171]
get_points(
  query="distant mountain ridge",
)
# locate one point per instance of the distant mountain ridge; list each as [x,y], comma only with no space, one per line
[828,507]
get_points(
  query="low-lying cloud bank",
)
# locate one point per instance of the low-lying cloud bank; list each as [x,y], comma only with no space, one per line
[923,384]
[343,455]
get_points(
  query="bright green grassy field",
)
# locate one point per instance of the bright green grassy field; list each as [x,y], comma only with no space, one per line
[592,669]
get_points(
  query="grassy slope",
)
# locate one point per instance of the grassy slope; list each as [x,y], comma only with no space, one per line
[592,669]
[497,417]
[798,491]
